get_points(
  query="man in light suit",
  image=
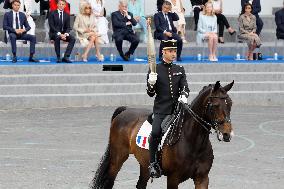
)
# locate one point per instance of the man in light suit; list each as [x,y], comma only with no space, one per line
[256,8]
[15,22]
[122,22]
[59,24]
[165,29]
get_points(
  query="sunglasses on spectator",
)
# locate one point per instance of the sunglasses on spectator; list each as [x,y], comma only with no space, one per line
[248,7]
[88,8]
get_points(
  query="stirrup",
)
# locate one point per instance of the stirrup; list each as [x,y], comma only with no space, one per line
[155,170]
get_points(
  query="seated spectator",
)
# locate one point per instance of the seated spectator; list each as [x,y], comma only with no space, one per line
[102,23]
[122,23]
[207,30]
[177,7]
[15,22]
[279,20]
[165,29]
[221,20]
[247,24]
[59,24]
[26,6]
[136,7]
[159,5]
[256,9]
[53,6]
[197,7]
[86,30]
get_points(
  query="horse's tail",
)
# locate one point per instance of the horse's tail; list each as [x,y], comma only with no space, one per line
[118,111]
[101,176]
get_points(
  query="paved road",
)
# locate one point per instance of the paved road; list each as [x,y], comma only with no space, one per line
[60,149]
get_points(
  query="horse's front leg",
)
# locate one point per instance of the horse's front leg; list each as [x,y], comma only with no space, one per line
[172,182]
[201,182]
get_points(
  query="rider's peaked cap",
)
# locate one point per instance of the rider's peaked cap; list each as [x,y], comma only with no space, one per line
[169,44]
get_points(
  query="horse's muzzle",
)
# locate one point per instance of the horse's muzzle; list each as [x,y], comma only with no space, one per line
[226,137]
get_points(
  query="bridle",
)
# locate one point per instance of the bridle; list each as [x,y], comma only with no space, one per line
[208,109]
[214,123]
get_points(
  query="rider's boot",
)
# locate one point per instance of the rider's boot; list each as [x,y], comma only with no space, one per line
[154,168]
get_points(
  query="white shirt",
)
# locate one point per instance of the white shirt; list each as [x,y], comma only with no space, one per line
[14,20]
[167,18]
[59,11]
[251,2]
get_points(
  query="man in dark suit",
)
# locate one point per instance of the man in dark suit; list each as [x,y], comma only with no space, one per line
[165,28]
[59,24]
[256,8]
[122,22]
[15,22]
[170,87]
[279,20]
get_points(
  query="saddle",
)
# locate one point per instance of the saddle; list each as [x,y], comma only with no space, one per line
[174,121]
[165,124]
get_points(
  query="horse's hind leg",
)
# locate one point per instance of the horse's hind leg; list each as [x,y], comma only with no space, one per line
[119,154]
[201,182]
[143,178]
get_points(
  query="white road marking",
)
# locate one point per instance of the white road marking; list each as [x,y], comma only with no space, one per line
[264,124]
[249,147]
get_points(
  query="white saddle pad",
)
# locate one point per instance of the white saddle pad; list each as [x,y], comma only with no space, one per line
[142,138]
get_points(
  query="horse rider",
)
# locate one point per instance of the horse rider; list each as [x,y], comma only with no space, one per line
[170,86]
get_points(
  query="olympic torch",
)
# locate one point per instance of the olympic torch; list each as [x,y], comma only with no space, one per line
[151,51]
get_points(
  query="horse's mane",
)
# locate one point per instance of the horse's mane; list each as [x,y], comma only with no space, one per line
[204,90]
[207,89]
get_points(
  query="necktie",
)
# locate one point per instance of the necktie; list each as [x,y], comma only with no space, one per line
[166,17]
[61,21]
[17,21]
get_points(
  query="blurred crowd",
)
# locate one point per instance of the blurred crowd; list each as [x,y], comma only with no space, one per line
[92,27]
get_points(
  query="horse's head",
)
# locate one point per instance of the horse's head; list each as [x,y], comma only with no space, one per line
[217,110]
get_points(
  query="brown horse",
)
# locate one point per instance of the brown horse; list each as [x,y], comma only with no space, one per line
[192,155]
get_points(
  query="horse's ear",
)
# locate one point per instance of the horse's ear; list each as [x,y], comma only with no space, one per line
[217,85]
[229,86]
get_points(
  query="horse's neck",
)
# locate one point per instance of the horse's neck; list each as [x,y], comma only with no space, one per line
[195,132]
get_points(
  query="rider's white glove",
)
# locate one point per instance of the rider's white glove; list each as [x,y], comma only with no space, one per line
[152,78]
[183,99]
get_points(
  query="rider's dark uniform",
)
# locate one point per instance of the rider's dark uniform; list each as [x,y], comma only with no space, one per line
[171,83]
